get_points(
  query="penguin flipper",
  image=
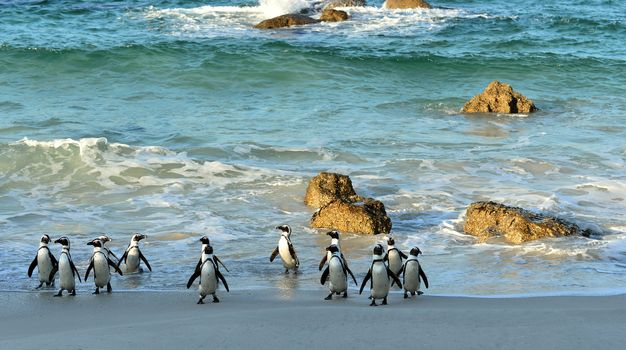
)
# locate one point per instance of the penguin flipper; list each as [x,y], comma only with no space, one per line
[221,277]
[323,261]
[402,254]
[193,277]
[115,256]
[404,273]
[32,266]
[75,270]
[394,277]
[55,268]
[386,258]
[145,261]
[293,254]
[123,258]
[117,268]
[325,275]
[274,254]
[217,260]
[55,263]
[88,269]
[345,262]
[351,274]
[367,277]
[423,275]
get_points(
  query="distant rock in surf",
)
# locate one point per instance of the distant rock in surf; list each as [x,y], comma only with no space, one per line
[489,219]
[327,187]
[342,209]
[331,15]
[344,3]
[406,4]
[499,98]
[287,20]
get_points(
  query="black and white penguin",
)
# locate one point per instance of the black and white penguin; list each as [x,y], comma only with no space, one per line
[285,249]
[206,242]
[133,254]
[209,273]
[67,269]
[100,263]
[337,274]
[46,262]
[394,257]
[106,239]
[334,240]
[411,273]
[380,274]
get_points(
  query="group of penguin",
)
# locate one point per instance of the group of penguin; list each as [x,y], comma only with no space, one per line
[385,270]
[100,262]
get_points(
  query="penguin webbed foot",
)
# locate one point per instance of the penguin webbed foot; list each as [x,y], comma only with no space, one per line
[406,295]
[419,292]
[345,294]
[109,289]
[200,301]
[384,301]
[39,286]
[329,297]
[97,291]
[373,302]
[215,299]
[73,293]
[60,293]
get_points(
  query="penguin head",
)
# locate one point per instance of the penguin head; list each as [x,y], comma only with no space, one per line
[64,241]
[378,249]
[285,230]
[96,243]
[208,249]
[333,249]
[45,239]
[138,237]
[333,234]
[104,238]
[415,251]
[390,240]
[205,240]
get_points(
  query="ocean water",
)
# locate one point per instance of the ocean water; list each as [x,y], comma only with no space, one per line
[178,119]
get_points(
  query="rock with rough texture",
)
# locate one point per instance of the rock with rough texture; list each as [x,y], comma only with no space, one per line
[330,15]
[344,3]
[286,21]
[489,219]
[499,98]
[406,4]
[368,217]
[327,187]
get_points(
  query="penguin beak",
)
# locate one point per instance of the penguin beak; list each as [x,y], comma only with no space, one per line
[90,243]
[58,241]
[141,237]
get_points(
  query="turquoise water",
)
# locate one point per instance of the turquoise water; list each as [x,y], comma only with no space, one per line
[178,119]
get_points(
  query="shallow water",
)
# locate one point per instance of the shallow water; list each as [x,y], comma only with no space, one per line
[177,119]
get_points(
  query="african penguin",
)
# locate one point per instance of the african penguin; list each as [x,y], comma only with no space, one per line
[46,262]
[380,274]
[337,274]
[285,249]
[411,273]
[67,269]
[209,273]
[100,263]
[394,257]
[334,240]
[206,242]
[133,254]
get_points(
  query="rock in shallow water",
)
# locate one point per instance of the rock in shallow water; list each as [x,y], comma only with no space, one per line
[406,4]
[286,21]
[368,217]
[489,219]
[344,3]
[330,15]
[499,98]
[327,187]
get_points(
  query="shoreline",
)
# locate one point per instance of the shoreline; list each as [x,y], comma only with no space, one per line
[276,318]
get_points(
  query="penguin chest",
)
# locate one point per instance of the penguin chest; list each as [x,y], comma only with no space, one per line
[285,255]
[208,279]
[380,281]
[132,260]
[337,278]
[411,276]
[395,262]
[102,275]
[66,277]
[44,265]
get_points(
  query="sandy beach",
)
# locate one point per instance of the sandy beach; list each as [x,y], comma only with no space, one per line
[265,319]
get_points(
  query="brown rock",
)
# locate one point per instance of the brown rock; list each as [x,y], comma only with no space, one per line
[407,4]
[344,3]
[327,187]
[368,217]
[330,15]
[499,98]
[489,219]
[286,21]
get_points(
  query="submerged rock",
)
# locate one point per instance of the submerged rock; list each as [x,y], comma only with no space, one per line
[489,219]
[344,3]
[367,217]
[327,187]
[330,15]
[287,20]
[406,4]
[499,98]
